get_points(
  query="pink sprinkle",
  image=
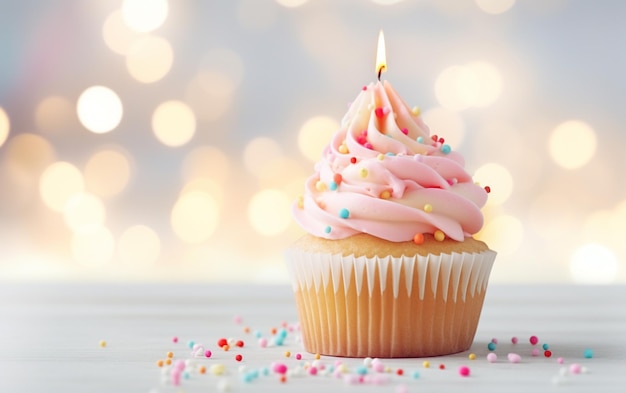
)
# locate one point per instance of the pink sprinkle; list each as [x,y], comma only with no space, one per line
[514,358]
[386,110]
[364,88]
[262,342]
[379,112]
[379,367]
[179,365]
[369,146]
[535,352]
[298,356]
[464,371]
[560,360]
[534,340]
[492,357]
[575,368]
[174,339]
[207,353]
[494,340]
[279,368]
[514,340]
[237,319]
[405,131]
[313,370]
[361,140]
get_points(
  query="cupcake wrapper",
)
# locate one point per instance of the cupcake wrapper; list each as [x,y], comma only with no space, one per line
[389,306]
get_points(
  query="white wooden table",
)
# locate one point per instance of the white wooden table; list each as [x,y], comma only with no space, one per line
[50,334]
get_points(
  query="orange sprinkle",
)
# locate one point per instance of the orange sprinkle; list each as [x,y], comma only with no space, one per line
[283,378]
[274,330]
[226,347]
[170,354]
[168,361]
[317,356]
[246,330]
[202,369]
[418,238]
[159,363]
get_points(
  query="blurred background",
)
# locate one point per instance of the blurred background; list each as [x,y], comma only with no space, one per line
[147,140]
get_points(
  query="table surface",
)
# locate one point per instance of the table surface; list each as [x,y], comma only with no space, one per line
[50,336]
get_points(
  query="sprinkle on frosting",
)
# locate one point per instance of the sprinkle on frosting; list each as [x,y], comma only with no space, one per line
[416,111]
[428,208]
[439,235]
[386,194]
[344,213]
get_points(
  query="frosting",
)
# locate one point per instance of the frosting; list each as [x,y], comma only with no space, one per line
[384,175]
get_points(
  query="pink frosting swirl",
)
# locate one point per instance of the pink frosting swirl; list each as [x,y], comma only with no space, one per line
[382,174]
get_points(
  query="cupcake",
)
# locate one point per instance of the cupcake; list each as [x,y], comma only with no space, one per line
[388,266]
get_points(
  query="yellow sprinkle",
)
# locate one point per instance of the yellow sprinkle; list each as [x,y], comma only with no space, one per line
[388,369]
[343,369]
[320,186]
[428,208]
[416,111]
[439,236]
[363,172]
[472,356]
[317,356]
[343,149]
[102,343]
[217,369]
[381,157]
[385,194]
[426,364]
[301,202]
[287,354]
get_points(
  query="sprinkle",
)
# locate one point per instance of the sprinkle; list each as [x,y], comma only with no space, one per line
[364,88]
[533,340]
[446,149]
[344,213]
[262,342]
[170,354]
[400,371]
[353,160]
[190,344]
[239,343]
[560,360]
[494,340]
[488,190]
[102,343]
[168,361]
[298,356]
[202,370]
[174,339]
[428,208]
[363,172]
[279,368]
[379,112]
[361,370]
[439,236]
[420,139]
[300,203]
[313,370]
[390,154]
[238,357]
[283,378]
[226,347]
[472,356]
[418,238]
[369,146]
[426,364]
[246,330]
[332,186]
[159,363]
[416,111]
[492,357]
[442,366]
[221,342]
[386,194]
[207,353]
[441,140]
[337,178]
[513,339]
[405,131]
[343,149]
[547,353]
[535,352]
[514,358]
[464,371]
[217,369]
[317,356]
[320,186]
[588,353]
[327,229]
[575,368]
[379,367]
[545,347]
[287,354]
[367,362]
[434,138]
[381,157]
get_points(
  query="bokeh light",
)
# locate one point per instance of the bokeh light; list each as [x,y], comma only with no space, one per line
[495,7]
[149,59]
[99,109]
[27,155]
[195,217]
[269,212]
[210,94]
[139,246]
[117,35]
[5,126]
[58,183]
[107,172]
[173,123]
[144,15]
[315,134]
[499,179]
[504,234]
[93,248]
[477,84]
[593,264]
[206,162]
[55,115]
[258,152]
[84,212]
[572,144]
[207,186]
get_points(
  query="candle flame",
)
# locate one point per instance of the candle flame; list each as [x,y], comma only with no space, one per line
[381,57]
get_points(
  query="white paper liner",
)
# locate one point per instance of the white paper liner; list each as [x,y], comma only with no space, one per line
[389,307]
[466,273]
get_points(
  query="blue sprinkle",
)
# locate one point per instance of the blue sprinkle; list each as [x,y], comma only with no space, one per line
[265,371]
[344,213]
[588,353]
[332,185]
[390,154]
[190,344]
[416,374]
[247,378]
[361,370]
[257,334]
[279,341]
[545,347]
[420,139]
[491,346]
[327,229]
[186,375]
[330,368]
[282,333]
[446,149]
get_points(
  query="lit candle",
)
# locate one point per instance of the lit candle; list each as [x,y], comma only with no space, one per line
[381,58]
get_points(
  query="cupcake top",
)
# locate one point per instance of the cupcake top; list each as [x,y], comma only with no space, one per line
[383,174]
